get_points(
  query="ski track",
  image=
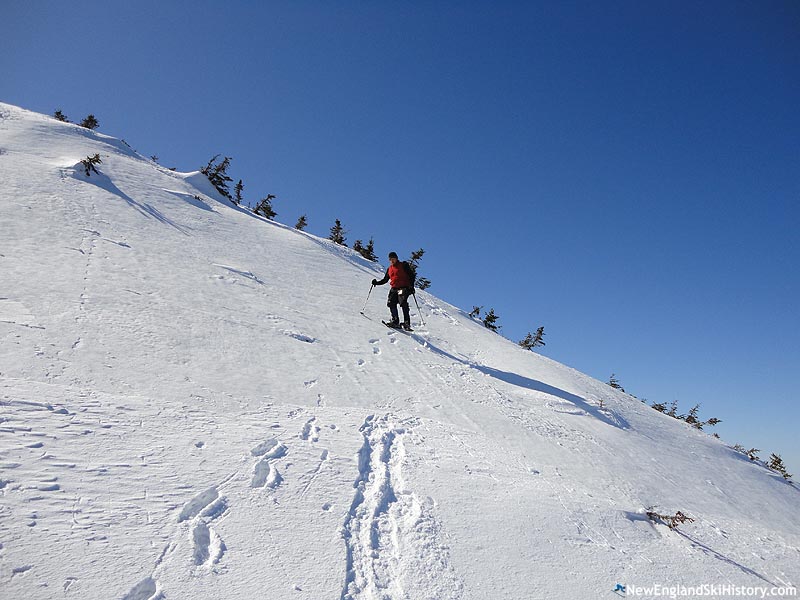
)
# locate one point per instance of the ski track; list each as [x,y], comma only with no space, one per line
[390,538]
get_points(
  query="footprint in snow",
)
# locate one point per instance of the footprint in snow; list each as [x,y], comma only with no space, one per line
[300,337]
[272,448]
[310,430]
[265,474]
[208,546]
[197,504]
[144,590]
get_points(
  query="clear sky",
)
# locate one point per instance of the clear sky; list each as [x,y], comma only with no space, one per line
[626,174]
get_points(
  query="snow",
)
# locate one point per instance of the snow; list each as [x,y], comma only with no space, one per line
[193,407]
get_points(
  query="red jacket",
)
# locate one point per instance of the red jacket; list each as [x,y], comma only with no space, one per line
[398,275]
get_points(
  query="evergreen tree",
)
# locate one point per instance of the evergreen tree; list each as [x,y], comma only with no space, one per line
[337,233]
[217,174]
[475,313]
[671,521]
[533,341]
[61,116]
[90,122]
[691,418]
[659,406]
[695,421]
[776,464]
[237,190]
[614,383]
[264,208]
[673,409]
[422,283]
[490,320]
[367,251]
[89,164]
[752,454]
[302,223]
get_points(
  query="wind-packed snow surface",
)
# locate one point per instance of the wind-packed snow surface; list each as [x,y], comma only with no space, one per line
[193,407]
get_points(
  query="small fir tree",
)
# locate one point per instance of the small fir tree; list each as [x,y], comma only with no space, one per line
[264,208]
[693,419]
[671,521]
[367,251]
[90,122]
[337,233]
[659,406]
[614,383]
[673,409]
[533,341]
[61,116]
[302,223]
[422,283]
[490,320]
[154,158]
[89,164]
[217,174]
[776,464]
[237,192]
[475,313]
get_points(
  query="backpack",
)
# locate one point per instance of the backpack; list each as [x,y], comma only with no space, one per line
[411,272]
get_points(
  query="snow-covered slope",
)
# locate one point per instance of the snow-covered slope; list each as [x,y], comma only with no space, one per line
[193,407]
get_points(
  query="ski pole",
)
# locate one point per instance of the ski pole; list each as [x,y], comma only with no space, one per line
[367,300]
[418,310]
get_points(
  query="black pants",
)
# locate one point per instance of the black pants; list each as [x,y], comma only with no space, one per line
[395,298]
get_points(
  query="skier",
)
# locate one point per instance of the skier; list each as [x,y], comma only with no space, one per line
[401,278]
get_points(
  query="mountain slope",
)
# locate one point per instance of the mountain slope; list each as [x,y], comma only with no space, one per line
[192,406]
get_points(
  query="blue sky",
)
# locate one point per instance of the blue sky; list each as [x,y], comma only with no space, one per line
[624,173]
